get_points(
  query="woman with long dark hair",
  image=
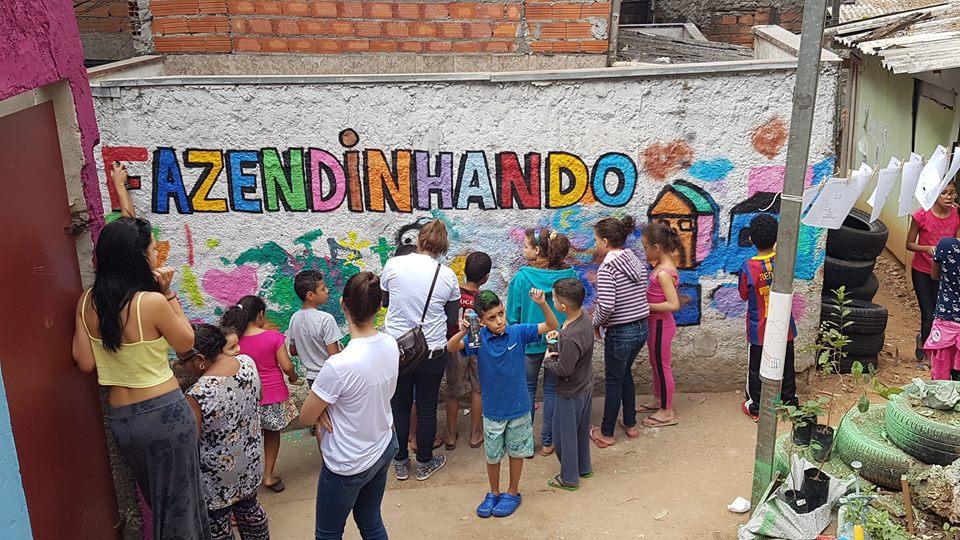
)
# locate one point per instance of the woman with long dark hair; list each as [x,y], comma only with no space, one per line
[125,325]
[350,399]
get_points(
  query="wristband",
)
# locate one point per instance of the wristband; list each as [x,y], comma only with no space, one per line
[171,297]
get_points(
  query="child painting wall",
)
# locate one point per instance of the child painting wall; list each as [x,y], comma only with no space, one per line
[248,184]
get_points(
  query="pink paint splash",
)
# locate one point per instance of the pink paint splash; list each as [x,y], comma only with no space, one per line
[189,234]
[769,179]
[226,287]
[799,307]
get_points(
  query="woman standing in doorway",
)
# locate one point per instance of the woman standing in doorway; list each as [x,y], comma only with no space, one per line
[125,325]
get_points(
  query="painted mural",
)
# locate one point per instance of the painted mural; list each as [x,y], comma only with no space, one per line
[176,187]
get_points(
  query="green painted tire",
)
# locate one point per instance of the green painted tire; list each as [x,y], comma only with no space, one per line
[861,437]
[933,439]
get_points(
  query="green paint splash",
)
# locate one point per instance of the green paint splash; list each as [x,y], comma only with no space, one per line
[212,243]
[112,216]
[190,286]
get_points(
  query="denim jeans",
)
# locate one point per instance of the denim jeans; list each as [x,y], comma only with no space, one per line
[621,345]
[426,384]
[533,364]
[361,493]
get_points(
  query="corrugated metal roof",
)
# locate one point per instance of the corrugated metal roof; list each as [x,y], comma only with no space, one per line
[922,39]
[868,9]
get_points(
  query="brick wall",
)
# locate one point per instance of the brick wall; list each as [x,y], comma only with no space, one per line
[731,21]
[328,27]
[112,16]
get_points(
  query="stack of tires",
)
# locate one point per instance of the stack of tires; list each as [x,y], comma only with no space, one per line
[852,252]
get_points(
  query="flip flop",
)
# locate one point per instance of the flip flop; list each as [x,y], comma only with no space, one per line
[547,451]
[634,434]
[594,436]
[277,486]
[652,422]
[454,445]
[555,482]
[477,445]
[644,409]
[588,475]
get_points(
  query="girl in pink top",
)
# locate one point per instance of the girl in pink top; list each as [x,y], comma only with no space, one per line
[926,229]
[268,351]
[661,243]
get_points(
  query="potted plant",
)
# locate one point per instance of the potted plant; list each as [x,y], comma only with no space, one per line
[829,347]
[803,418]
[816,483]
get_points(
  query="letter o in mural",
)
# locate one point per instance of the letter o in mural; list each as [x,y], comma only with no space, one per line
[626,172]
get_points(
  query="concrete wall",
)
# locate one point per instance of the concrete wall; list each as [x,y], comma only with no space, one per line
[706,150]
[731,20]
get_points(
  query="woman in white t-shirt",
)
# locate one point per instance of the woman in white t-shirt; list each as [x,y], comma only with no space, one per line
[406,284]
[350,399]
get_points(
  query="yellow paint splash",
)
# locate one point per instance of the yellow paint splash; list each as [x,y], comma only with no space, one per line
[189,285]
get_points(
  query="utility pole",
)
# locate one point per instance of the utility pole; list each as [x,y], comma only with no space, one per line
[781,296]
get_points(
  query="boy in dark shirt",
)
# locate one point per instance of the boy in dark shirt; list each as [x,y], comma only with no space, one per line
[573,364]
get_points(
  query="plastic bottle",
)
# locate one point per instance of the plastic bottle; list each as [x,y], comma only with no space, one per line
[474,331]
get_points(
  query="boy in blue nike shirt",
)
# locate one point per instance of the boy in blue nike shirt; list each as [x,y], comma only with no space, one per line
[507,426]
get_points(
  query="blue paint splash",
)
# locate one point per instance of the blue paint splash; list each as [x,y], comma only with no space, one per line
[711,170]
[822,170]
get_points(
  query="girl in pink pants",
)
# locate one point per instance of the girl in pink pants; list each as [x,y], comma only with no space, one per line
[661,243]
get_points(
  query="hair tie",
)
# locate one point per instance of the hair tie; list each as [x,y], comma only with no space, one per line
[553,234]
[240,306]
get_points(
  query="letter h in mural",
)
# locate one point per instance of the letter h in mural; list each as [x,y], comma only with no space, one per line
[695,216]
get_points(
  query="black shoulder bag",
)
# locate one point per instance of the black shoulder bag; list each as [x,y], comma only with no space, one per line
[412,343]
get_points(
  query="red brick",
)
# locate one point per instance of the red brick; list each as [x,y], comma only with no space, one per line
[553,30]
[324,9]
[411,46]
[745,19]
[478,30]
[300,45]
[466,46]
[209,25]
[246,44]
[512,12]
[326,46]
[356,45]
[579,30]
[439,46]
[565,46]
[566,11]
[312,26]
[462,11]
[273,45]
[368,29]
[492,12]
[352,10]
[496,46]
[171,25]
[596,9]
[728,19]
[218,44]
[162,8]
[383,46]
[539,13]
[267,8]
[451,30]
[295,8]
[423,30]
[240,6]
[288,27]
[260,26]
[210,7]
[394,29]
[435,11]
[340,28]
[541,46]
[238,25]
[761,17]
[505,30]
[408,11]
[377,10]
[594,46]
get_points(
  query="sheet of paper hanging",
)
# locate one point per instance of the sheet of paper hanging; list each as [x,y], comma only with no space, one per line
[931,178]
[829,207]
[909,176]
[775,335]
[886,178]
[954,165]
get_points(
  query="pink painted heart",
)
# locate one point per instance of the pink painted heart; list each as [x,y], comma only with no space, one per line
[228,287]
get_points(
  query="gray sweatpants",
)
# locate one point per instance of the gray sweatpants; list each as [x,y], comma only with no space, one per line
[571,436]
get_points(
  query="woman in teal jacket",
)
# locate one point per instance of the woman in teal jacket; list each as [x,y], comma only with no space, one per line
[545,252]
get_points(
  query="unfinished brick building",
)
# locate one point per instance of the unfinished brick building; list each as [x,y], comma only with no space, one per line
[731,21]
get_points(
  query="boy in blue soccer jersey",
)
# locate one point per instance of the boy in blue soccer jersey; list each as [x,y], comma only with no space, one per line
[507,426]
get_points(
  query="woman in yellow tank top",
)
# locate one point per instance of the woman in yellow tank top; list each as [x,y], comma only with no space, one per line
[126,324]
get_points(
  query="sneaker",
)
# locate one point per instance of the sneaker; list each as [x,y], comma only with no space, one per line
[485,509]
[507,505]
[425,470]
[746,410]
[402,468]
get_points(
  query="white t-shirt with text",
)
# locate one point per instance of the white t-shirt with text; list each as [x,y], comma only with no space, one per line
[407,279]
[358,383]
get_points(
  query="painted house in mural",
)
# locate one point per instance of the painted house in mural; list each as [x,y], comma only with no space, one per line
[739,247]
[694,214]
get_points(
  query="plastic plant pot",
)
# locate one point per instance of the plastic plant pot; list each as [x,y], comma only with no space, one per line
[821,443]
[796,501]
[816,486]
[801,433]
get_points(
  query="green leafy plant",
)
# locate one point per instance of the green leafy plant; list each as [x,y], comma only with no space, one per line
[832,340]
[870,382]
[800,415]
[879,525]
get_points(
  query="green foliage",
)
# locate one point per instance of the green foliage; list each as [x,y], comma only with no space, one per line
[876,522]
[870,381]
[829,347]
[800,416]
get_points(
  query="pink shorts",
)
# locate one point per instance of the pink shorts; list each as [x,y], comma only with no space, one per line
[943,347]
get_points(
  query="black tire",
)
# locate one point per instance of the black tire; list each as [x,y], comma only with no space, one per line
[865,292]
[860,437]
[864,344]
[857,239]
[849,274]
[931,440]
[845,364]
[867,317]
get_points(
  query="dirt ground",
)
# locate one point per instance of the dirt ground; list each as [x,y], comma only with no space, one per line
[672,482]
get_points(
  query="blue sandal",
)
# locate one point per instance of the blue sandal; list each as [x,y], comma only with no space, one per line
[485,509]
[507,505]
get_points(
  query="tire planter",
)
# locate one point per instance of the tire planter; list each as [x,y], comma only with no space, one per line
[857,239]
[865,292]
[862,345]
[867,317]
[862,437]
[932,437]
[846,363]
[850,274]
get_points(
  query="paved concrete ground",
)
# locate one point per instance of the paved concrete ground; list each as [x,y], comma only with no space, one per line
[673,482]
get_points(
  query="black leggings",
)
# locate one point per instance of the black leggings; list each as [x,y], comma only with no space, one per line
[926,288]
[425,379]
